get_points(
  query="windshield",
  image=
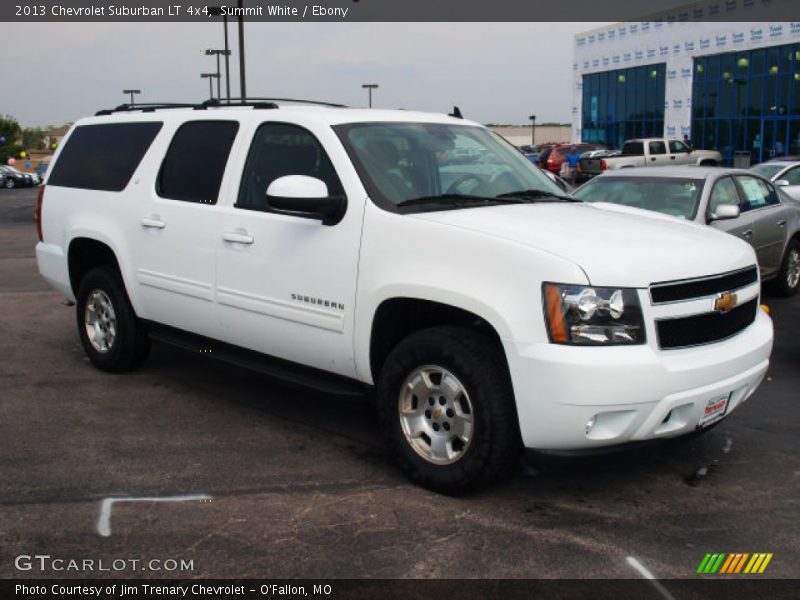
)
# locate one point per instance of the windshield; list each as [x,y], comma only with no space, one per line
[433,166]
[671,196]
[767,171]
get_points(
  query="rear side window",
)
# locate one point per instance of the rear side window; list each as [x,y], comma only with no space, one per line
[195,162]
[657,148]
[103,157]
[633,149]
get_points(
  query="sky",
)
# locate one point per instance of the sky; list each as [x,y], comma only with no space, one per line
[495,72]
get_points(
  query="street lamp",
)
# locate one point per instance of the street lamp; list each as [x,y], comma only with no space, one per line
[533,129]
[217,11]
[370,87]
[210,76]
[131,92]
[219,53]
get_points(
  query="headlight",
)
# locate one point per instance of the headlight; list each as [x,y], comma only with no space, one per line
[592,316]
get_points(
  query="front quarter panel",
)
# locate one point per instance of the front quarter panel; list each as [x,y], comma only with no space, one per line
[403,256]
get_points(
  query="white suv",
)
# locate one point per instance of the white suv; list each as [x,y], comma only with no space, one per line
[348,249]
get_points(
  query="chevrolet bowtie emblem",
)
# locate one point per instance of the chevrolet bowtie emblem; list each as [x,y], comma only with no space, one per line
[725,302]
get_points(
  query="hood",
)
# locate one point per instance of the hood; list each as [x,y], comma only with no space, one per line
[630,247]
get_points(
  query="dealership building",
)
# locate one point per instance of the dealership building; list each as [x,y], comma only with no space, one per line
[729,86]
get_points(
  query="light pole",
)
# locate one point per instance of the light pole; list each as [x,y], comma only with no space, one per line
[241,53]
[533,129]
[131,92]
[210,76]
[217,11]
[218,53]
[370,87]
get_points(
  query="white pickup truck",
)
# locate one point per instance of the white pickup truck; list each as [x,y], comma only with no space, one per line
[650,152]
[345,249]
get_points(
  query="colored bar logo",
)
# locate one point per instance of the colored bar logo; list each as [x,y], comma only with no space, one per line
[734,563]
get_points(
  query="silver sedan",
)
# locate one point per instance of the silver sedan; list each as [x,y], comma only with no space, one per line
[785,174]
[736,201]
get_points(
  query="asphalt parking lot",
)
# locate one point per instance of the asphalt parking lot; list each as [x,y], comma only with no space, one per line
[291,483]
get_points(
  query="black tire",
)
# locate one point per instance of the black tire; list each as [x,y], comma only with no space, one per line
[130,345]
[10,184]
[782,285]
[495,445]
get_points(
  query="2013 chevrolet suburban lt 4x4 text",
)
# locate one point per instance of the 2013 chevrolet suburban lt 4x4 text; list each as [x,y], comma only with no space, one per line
[345,249]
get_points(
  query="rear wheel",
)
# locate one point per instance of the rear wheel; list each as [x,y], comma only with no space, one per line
[787,282]
[447,410]
[112,336]
[10,183]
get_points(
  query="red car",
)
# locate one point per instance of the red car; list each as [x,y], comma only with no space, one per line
[553,157]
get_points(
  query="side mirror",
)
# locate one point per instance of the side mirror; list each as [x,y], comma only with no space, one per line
[781,183]
[303,196]
[725,211]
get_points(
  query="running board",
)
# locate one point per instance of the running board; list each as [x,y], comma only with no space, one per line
[285,370]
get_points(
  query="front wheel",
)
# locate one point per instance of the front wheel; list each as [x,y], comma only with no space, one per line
[447,410]
[112,336]
[788,280]
[10,183]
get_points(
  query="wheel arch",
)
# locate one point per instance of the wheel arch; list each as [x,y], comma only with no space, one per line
[395,318]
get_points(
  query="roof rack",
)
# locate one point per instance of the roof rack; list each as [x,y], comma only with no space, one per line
[295,100]
[256,103]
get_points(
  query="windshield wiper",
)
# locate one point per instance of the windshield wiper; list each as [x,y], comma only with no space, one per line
[538,196]
[460,200]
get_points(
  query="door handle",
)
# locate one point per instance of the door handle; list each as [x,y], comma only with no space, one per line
[672,158]
[748,233]
[237,237]
[782,223]
[152,222]
[652,158]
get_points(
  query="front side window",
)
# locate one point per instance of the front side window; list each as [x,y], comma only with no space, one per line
[757,193]
[724,192]
[280,149]
[438,166]
[195,162]
[667,195]
[676,147]
[792,176]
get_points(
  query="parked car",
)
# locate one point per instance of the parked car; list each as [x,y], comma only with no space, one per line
[651,152]
[737,201]
[2,180]
[335,247]
[553,157]
[585,166]
[531,153]
[15,178]
[784,174]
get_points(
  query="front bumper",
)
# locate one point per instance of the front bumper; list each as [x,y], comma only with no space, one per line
[633,393]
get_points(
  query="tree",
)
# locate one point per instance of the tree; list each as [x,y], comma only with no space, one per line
[11,131]
[33,137]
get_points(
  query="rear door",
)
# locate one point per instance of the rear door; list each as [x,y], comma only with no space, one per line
[769,221]
[679,153]
[176,229]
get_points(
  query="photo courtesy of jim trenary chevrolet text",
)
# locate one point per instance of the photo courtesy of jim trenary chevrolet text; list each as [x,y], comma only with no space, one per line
[361,299]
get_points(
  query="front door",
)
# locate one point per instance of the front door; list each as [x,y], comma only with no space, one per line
[286,285]
[725,191]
